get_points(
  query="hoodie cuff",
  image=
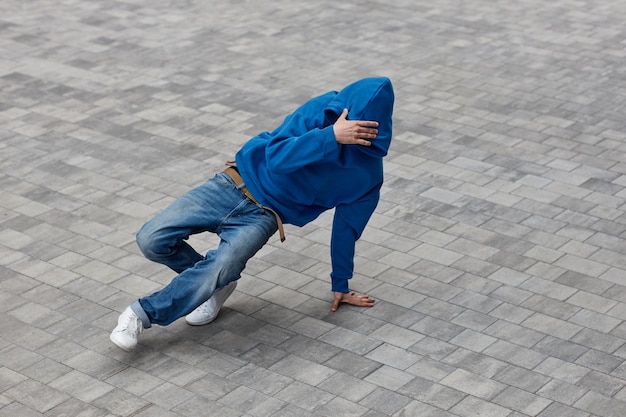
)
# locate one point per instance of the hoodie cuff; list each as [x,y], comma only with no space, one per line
[340,285]
[328,140]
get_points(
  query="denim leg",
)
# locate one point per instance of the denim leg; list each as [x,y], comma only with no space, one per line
[243,230]
[203,209]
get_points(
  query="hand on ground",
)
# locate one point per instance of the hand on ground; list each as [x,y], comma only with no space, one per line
[351,298]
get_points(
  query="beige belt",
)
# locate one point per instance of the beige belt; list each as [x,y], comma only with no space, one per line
[234,175]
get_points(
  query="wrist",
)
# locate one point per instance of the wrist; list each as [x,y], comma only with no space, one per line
[340,285]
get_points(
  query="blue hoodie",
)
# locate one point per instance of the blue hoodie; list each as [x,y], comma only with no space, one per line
[300,170]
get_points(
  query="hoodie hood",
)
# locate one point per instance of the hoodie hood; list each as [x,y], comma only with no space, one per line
[367,99]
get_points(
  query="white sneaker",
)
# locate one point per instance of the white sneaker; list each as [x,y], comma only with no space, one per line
[126,333]
[207,312]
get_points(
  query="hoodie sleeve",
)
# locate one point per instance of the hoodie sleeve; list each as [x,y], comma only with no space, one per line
[304,138]
[348,224]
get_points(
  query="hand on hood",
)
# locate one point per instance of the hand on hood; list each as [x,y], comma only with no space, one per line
[354,132]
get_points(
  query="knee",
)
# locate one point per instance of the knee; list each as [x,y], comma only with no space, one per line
[149,243]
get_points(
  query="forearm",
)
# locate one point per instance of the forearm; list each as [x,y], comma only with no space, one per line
[285,155]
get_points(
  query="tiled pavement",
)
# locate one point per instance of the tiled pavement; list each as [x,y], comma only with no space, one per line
[497,253]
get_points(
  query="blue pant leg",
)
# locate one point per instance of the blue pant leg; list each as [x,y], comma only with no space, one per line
[243,232]
[163,239]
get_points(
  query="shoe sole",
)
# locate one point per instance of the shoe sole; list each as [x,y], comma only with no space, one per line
[229,291]
[124,348]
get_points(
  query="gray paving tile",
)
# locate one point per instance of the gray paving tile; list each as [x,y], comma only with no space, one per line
[473,340]
[475,362]
[522,378]
[473,384]
[514,354]
[17,358]
[599,361]
[353,364]
[17,409]
[561,349]
[119,402]
[432,393]
[349,387]
[522,401]
[603,383]
[10,378]
[598,340]
[433,348]
[393,356]
[339,406]
[77,408]
[198,405]
[251,402]
[513,333]
[351,341]
[305,396]
[565,371]
[556,410]
[81,386]
[600,405]
[302,370]
[310,349]
[385,401]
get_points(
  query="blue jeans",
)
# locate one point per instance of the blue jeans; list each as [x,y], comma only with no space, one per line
[217,206]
